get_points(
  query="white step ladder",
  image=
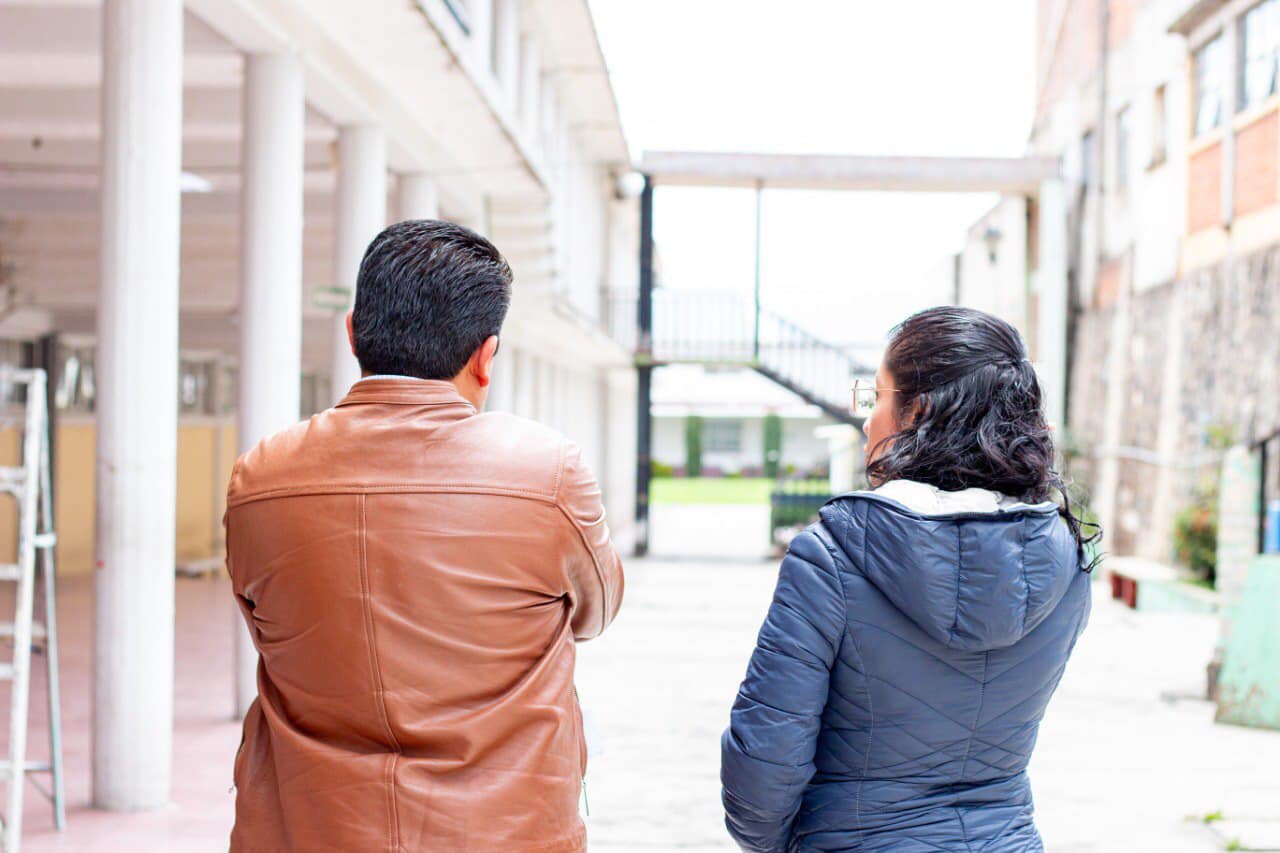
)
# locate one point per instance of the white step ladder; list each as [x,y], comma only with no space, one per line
[29,484]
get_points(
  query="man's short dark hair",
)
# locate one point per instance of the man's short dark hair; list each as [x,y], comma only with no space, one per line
[428,295]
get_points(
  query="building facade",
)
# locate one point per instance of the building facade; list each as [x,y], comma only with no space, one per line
[1165,114]
[186,190]
[732,405]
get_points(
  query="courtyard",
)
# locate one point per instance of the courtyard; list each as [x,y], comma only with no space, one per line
[1129,757]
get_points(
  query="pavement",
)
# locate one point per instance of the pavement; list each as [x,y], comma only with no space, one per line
[1129,759]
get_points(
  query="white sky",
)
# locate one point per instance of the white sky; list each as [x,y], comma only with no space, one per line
[925,77]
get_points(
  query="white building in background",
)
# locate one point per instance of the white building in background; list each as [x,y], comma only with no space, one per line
[733,404]
[185,193]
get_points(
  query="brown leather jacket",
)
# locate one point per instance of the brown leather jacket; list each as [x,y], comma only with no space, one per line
[414,575]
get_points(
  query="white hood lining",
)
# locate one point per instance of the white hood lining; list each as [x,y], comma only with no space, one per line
[930,500]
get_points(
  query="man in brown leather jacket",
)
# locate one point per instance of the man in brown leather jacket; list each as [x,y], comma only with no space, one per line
[415,575]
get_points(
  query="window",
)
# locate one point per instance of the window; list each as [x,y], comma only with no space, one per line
[1259,53]
[1210,76]
[75,391]
[1123,134]
[196,387]
[1087,144]
[1160,126]
[722,436]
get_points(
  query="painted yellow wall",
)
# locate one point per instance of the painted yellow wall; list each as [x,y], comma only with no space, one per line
[202,477]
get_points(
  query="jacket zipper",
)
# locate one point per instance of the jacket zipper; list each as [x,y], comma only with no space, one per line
[582,743]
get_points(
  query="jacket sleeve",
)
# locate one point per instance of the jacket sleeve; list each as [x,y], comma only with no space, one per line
[592,565]
[767,753]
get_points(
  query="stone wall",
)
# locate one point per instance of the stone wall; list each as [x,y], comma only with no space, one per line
[1202,365]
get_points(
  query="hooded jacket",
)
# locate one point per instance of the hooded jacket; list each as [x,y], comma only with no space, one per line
[895,693]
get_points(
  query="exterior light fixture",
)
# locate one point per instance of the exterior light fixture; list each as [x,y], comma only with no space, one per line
[992,238]
[629,185]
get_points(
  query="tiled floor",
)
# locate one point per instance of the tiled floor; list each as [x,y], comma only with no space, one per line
[204,738]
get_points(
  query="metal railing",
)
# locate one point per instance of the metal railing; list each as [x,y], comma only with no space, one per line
[721,328]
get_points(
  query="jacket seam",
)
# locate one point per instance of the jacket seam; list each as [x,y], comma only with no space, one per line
[1022,564]
[395,488]
[555,484]
[379,688]
[866,685]
[973,730]
[595,564]
[955,618]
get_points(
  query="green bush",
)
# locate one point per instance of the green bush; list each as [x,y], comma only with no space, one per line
[1195,535]
[772,444]
[661,470]
[693,446]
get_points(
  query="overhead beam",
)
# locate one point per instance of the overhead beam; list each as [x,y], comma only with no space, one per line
[1011,175]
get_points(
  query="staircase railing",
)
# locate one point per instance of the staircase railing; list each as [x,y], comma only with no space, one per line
[720,328]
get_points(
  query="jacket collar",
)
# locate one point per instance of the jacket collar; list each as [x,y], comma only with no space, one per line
[405,391]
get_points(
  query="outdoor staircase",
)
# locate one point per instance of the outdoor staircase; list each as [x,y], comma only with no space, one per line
[722,328]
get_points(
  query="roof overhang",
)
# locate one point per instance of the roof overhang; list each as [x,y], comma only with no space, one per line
[1189,21]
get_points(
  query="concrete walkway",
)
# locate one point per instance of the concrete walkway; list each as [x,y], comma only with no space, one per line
[1125,756]
[1128,760]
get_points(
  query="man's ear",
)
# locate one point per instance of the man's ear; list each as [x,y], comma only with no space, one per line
[351,334]
[481,364]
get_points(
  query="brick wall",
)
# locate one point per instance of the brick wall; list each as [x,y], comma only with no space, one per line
[1068,55]
[1229,378]
[1204,188]
[1257,158]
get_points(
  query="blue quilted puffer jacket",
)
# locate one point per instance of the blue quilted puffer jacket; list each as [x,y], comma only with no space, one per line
[895,694]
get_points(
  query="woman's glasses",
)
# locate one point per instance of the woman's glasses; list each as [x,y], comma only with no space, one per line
[865,393]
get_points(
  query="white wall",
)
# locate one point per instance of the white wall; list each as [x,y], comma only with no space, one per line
[998,287]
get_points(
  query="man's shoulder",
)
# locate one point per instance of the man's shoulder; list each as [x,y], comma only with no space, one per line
[258,466]
[518,449]
[490,452]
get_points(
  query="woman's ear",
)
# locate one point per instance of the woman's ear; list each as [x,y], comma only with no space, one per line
[913,412]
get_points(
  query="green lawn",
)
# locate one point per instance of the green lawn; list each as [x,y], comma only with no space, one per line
[711,490]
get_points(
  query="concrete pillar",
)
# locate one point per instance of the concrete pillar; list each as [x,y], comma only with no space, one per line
[1156,542]
[361,213]
[1052,306]
[419,197]
[271,283]
[137,405]
[844,444]
[506,47]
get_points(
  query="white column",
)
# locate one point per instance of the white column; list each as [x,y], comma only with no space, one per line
[271,283]
[1052,304]
[480,16]
[530,87]
[137,405]
[419,197]
[506,47]
[361,213]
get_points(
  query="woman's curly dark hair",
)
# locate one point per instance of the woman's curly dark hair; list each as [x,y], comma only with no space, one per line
[970,405]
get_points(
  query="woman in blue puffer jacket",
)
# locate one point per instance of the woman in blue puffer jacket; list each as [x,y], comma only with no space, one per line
[919,629]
